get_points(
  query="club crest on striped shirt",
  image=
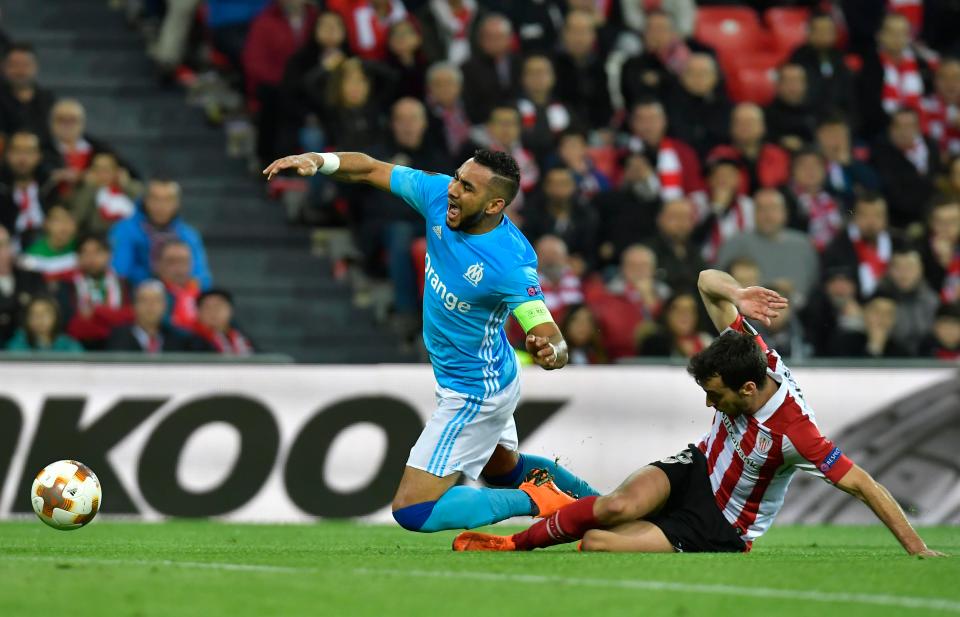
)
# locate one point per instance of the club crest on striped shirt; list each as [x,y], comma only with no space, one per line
[474,274]
[763,443]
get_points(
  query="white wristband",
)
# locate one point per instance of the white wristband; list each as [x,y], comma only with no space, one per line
[331,163]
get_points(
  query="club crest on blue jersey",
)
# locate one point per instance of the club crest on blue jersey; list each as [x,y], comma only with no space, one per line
[474,274]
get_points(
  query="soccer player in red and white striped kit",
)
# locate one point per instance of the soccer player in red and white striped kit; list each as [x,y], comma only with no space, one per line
[724,492]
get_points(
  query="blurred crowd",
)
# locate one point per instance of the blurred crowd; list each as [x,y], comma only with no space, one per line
[811,146]
[91,256]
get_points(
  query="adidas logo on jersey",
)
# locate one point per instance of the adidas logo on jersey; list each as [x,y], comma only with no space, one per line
[439,231]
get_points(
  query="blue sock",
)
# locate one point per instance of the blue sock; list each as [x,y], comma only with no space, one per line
[564,480]
[464,507]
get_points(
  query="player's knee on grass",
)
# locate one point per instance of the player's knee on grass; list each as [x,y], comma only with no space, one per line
[413,517]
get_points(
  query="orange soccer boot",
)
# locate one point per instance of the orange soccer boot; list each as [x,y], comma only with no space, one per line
[548,498]
[474,541]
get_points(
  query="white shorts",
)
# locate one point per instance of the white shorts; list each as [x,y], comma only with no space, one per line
[463,432]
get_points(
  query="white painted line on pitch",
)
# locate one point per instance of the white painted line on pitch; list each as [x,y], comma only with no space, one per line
[911,602]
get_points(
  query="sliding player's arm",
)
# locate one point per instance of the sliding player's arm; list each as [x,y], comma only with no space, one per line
[861,485]
[724,299]
[353,167]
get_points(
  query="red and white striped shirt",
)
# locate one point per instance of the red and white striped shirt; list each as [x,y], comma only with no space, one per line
[752,458]
[940,123]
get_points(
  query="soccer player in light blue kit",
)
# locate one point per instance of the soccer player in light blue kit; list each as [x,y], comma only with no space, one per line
[479,269]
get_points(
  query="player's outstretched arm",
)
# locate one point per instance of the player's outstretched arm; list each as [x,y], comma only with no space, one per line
[861,485]
[342,166]
[724,298]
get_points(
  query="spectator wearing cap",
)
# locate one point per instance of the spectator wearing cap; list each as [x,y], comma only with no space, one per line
[95,300]
[449,125]
[678,255]
[555,210]
[699,95]
[174,269]
[813,210]
[908,163]
[542,115]
[584,85]
[916,301]
[845,174]
[215,324]
[792,116]
[41,329]
[368,26]
[447,27]
[940,112]
[492,74]
[677,166]
[723,209]
[829,81]
[17,287]
[763,164]
[137,240]
[54,253]
[107,194]
[24,105]
[25,192]
[876,339]
[867,245]
[628,214]
[894,75]
[655,71]
[943,342]
[786,257]
[150,332]
[940,249]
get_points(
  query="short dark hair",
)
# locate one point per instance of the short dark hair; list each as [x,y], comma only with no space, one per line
[506,172]
[215,292]
[867,196]
[21,46]
[733,356]
[96,238]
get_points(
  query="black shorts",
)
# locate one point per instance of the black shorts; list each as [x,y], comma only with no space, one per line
[690,519]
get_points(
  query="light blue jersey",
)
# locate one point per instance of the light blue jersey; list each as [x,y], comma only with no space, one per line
[472,283]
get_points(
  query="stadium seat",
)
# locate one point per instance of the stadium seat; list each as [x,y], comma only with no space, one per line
[730,30]
[788,28]
[752,83]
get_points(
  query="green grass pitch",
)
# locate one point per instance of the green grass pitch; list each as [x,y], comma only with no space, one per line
[347,570]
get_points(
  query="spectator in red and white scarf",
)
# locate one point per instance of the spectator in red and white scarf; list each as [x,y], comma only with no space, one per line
[215,324]
[941,110]
[150,333]
[24,189]
[543,116]
[908,163]
[813,210]
[368,27]
[941,250]
[95,300]
[108,194]
[174,268]
[676,163]
[723,210]
[449,126]
[895,76]
[447,26]
[561,285]
[70,151]
[867,245]
[763,165]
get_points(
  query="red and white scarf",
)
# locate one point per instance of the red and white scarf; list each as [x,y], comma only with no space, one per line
[455,27]
[902,83]
[562,293]
[30,212]
[558,118]
[92,293]
[371,31]
[669,167]
[825,219]
[231,343]
[873,258]
[950,289]
[739,217]
[183,314]
[939,120]
[148,343]
[113,204]
[919,155]
[77,157]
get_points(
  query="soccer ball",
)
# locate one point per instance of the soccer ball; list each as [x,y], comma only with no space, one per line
[66,495]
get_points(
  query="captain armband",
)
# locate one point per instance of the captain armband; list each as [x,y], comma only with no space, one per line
[532,314]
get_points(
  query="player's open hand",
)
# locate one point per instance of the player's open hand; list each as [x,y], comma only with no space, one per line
[760,303]
[543,353]
[304,164]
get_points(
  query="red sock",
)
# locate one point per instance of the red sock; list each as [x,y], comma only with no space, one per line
[567,524]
